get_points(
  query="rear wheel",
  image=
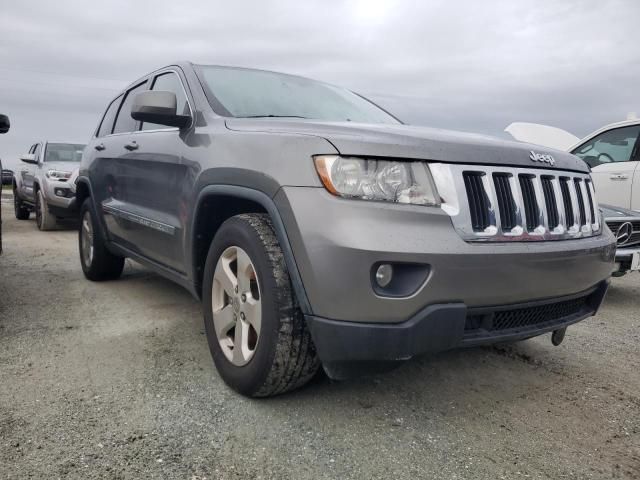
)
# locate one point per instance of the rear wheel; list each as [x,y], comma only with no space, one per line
[44,219]
[97,262]
[257,334]
[20,209]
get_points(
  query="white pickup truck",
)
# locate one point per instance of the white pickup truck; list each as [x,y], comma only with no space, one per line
[611,152]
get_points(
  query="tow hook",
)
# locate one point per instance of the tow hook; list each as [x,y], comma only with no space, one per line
[558,336]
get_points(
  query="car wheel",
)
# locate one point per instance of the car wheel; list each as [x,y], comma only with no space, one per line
[21,211]
[44,219]
[97,262]
[257,334]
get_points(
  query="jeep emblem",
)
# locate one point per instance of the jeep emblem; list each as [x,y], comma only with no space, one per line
[542,157]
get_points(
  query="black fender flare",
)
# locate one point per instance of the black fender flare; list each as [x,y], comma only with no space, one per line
[269,205]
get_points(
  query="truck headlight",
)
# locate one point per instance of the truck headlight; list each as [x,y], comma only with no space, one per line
[58,174]
[373,179]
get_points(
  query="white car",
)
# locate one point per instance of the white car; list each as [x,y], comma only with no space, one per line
[611,152]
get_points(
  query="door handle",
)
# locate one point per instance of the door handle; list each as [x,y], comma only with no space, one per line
[100,147]
[618,176]
[132,146]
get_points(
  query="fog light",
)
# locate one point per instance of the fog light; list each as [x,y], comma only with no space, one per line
[384,274]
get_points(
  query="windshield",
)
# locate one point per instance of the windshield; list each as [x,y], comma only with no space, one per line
[63,152]
[245,93]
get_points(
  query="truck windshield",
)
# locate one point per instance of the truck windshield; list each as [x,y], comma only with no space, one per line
[246,93]
[63,152]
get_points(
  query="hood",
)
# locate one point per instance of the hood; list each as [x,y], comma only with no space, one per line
[62,166]
[611,213]
[412,142]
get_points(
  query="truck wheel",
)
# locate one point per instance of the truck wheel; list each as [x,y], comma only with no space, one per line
[44,219]
[97,262]
[257,334]
[21,211]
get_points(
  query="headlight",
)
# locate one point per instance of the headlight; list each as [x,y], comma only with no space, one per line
[58,174]
[383,180]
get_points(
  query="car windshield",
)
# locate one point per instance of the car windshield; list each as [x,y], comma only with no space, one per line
[63,152]
[246,93]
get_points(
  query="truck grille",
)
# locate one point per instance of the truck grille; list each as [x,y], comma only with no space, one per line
[517,204]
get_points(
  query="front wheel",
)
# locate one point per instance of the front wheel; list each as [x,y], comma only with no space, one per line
[257,334]
[44,219]
[97,262]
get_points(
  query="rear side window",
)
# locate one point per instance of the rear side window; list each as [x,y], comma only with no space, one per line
[110,115]
[124,122]
[169,82]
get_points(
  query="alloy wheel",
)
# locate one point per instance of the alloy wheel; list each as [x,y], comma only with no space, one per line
[86,237]
[237,305]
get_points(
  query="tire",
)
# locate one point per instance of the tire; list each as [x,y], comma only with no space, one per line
[280,356]
[22,212]
[98,263]
[44,219]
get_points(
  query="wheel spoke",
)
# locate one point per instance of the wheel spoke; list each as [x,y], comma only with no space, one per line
[245,270]
[241,343]
[225,276]
[253,312]
[223,321]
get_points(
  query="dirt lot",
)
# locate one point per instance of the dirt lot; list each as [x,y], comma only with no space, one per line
[114,380]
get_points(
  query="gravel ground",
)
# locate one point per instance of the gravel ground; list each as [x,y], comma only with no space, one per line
[114,380]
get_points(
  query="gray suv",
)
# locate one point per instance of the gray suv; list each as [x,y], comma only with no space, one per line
[319,230]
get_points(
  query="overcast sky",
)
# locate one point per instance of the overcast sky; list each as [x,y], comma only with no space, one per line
[464,65]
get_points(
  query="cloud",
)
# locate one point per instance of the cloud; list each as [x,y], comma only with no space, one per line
[465,65]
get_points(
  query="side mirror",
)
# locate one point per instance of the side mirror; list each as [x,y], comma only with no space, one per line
[29,158]
[156,106]
[4,124]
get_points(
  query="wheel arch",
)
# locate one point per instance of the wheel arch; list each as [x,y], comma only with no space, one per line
[217,203]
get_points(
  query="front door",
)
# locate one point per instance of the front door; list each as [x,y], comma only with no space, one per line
[613,161]
[155,184]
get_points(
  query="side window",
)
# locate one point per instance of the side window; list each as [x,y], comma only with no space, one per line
[611,146]
[36,152]
[124,121]
[109,116]
[169,82]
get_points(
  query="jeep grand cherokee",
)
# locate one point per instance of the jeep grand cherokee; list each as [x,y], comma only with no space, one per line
[319,230]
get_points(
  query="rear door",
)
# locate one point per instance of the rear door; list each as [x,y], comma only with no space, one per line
[612,156]
[157,183]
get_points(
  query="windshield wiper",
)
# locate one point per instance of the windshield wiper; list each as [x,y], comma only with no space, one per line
[274,116]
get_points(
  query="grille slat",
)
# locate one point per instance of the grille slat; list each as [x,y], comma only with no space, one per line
[566,201]
[478,200]
[506,202]
[531,209]
[581,210]
[550,200]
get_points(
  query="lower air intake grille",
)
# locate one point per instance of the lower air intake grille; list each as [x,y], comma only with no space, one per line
[526,317]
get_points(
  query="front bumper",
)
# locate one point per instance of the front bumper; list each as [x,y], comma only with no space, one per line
[347,345]
[337,242]
[60,206]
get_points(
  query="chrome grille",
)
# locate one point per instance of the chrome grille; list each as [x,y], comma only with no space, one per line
[614,226]
[517,204]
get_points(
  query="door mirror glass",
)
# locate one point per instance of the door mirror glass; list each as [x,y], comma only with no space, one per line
[4,124]
[155,106]
[28,158]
